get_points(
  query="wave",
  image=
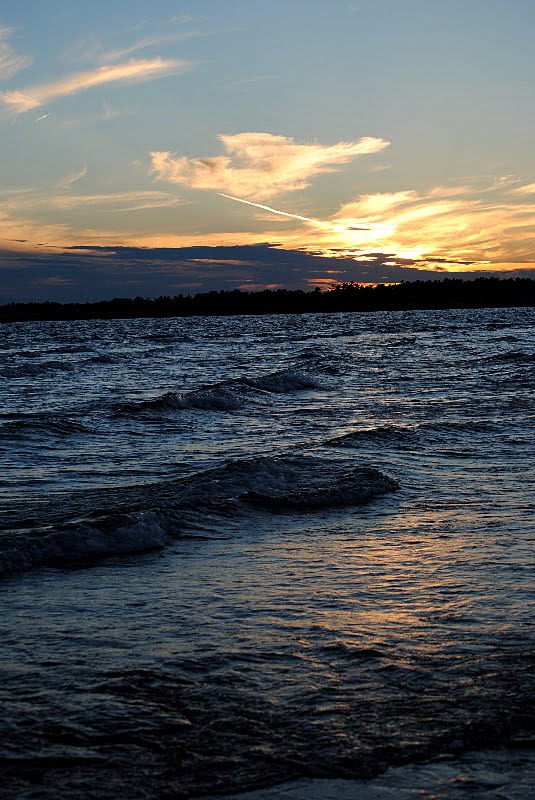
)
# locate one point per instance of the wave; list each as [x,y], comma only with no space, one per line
[116,535]
[340,649]
[228,395]
[32,370]
[320,360]
[169,338]
[70,348]
[103,358]
[46,423]
[158,337]
[159,513]
[283,381]
[408,436]
[403,341]
[387,434]
[31,353]
[512,356]
[460,426]
[216,398]
[352,489]
[303,483]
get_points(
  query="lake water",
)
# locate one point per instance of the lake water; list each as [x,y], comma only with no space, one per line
[280,551]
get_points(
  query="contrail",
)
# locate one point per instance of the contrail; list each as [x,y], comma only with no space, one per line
[40,118]
[276,211]
[318,222]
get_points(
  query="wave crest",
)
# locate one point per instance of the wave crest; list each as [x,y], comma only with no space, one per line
[75,532]
[32,370]
[229,395]
[283,381]
[44,424]
[391,434]
[116,535]
[352,489]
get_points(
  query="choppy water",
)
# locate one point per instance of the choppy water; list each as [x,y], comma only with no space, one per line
[243,551]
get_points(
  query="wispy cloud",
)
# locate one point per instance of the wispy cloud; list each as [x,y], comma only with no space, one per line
[372,206]
[504,181]
[528,188]
[445,226]
[260,165]
[21,233]
[181,19]
[72,177]
[107,112]
[451,191]
[23,228]
[135,200]
[19,101]
[125,201]
[10,61]
[15,192]
[145,43]
[380,167]
[86,49]
[247,82]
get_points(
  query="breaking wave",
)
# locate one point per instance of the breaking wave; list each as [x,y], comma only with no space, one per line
[228,395]
[221,397]
[283,381]
[160,513]
[116,535]
[352,489]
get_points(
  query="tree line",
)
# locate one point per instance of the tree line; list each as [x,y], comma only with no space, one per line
[486,292]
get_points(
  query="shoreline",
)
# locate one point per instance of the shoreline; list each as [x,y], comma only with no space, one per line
[439,295]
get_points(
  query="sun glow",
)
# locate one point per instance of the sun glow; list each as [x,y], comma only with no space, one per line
[436,229]
[452,233]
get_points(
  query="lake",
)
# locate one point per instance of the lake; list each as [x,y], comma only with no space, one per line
[289,551]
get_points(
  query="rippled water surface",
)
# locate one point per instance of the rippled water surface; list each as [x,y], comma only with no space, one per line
[238,552]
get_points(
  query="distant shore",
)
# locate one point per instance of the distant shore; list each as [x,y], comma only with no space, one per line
[442,294]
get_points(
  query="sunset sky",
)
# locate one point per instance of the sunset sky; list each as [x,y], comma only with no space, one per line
[163,147]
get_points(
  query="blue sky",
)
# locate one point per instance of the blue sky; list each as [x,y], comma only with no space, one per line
[391,127]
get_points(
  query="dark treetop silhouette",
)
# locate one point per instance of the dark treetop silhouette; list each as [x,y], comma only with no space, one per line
[440,294]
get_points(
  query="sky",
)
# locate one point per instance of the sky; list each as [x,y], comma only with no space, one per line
[162,147]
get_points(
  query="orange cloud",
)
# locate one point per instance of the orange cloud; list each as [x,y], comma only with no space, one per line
[131,72]
[529,188]
[27,199]
[442,228]
[433,229]
[437,226]
[260,165]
